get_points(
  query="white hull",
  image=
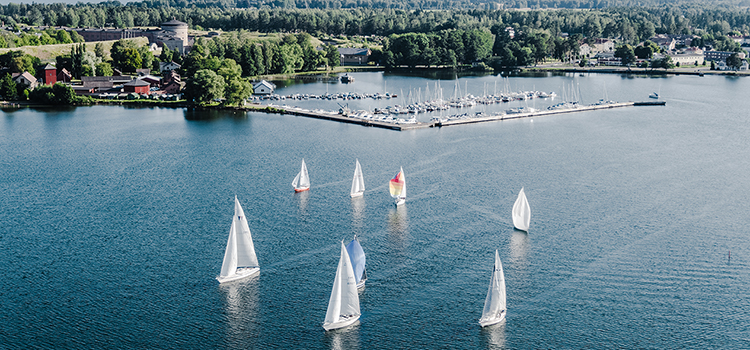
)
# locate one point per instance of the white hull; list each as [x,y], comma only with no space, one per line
[361,284]
[344,322]
[358,194]
[241,273]
[491,321]
[400,201]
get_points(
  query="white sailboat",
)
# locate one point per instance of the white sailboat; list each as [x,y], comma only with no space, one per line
[343,307]
[397,186]
[357,255]
[521,212]
[240,260]
[301,182]
[494,304]
[358,182]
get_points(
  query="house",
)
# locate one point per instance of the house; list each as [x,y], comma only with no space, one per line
[263,88]
[137,86]
[664,42]
[173,87]
[721,56]
[603,45]
[82,90]
[64,76]
[354,56]
[687,59]
[584,50]
[27,79]
[50,74]
[153,80]
[168,66]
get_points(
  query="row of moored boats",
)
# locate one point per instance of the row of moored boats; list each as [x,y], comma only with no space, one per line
[240,260]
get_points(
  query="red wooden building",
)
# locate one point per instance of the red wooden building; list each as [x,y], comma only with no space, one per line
[138,86]
[50,74]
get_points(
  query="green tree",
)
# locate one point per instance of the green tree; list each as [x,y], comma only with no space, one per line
[205,86]
[104,69]
[8,88]
[734,61]
[229,69]
[333,56]
[238,90]
[626,54]
[99,50]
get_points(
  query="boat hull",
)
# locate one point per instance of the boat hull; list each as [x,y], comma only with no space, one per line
[239,274]
[358,194]
[361,284]
[341,323]
[400,201]
[491,321]
[298,190]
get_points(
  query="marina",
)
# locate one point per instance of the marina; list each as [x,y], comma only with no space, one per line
[391,123]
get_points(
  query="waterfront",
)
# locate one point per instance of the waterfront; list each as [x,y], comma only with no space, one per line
[114,222]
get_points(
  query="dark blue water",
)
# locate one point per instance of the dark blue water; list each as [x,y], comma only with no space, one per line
[113,223]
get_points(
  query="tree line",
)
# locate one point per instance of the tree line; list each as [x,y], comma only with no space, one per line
[631,24]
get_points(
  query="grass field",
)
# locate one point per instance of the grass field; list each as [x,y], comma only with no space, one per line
[47,53]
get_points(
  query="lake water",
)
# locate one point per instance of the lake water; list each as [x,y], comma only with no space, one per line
[113,223]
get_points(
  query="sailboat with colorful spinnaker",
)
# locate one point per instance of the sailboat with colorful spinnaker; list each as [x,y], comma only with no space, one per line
[358,182]
[494,304]
[357,255]
[397,186]
[301,182]
[343,306]
[240,260]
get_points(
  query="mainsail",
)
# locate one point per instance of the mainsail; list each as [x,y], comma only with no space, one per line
[521,212]
[494,304]
[344,299]
[358,182]
[240,251]
[302,180]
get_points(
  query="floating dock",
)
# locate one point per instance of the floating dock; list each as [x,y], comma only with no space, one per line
[468,120]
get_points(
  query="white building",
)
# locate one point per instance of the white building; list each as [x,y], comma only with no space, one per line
[263,88]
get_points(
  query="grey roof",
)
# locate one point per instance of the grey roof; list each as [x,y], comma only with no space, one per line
[353,51]
[137,82]
[49,66]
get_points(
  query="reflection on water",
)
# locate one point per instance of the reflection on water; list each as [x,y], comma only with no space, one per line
[302,197]
[209,114]
[494,336]
[519,247]
[241,310]
[358,209]
[398,221]
[344,339]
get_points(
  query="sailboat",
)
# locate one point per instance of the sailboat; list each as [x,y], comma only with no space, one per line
[358,182]
[398,187]
[494,304]
[240,260]
[521,212]
[343,307]
[357,255]
[301,182]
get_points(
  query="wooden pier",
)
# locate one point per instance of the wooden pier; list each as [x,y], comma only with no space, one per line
[420,125]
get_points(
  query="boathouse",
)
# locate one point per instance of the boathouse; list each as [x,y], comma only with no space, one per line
[354,56]
[263,88]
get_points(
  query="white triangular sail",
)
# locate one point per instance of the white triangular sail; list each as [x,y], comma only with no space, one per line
[521,212]
[302,180]
[494,304]
[357,255]
[343,306]
[240,251]
[358,182]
